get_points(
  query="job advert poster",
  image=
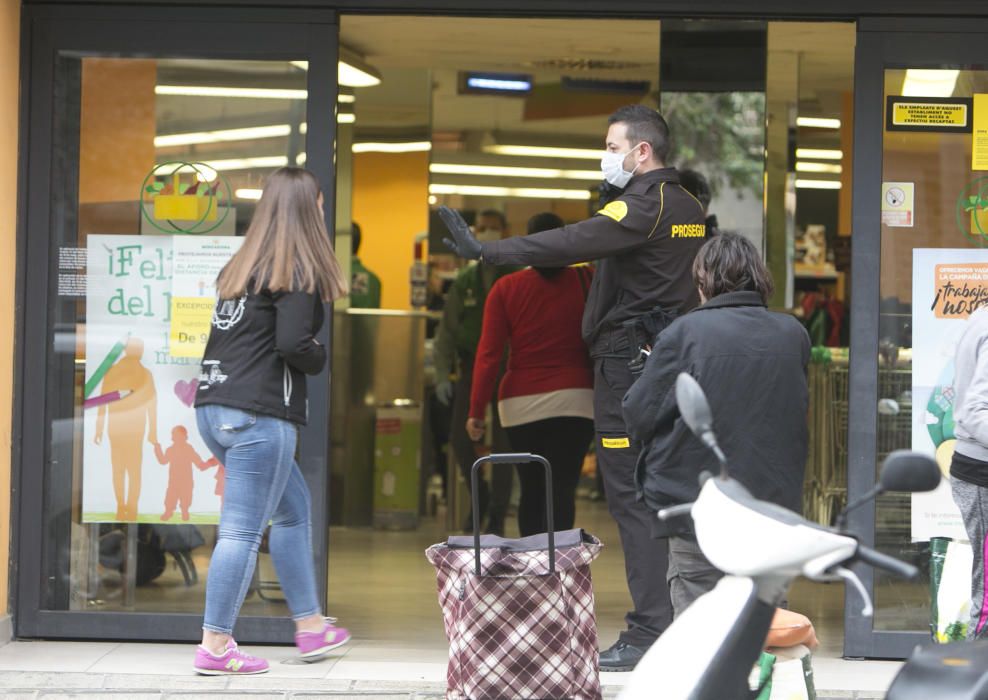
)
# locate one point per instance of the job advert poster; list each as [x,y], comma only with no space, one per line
[948,285]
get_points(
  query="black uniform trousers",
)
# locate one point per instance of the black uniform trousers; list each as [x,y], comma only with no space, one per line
[646,559]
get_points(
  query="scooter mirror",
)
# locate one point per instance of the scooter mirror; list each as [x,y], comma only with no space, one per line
[910,472]
[693,405]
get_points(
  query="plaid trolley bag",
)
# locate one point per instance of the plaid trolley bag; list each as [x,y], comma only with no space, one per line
[519,613]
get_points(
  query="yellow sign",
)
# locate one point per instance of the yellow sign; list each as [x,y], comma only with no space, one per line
[617,210]
[979,145]
[191,319]
[927,114]
[615,443]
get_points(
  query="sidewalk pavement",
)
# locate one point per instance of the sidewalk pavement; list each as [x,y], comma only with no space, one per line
[365,670]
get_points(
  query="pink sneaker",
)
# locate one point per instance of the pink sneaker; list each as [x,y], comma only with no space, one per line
[315,644]
[232,663]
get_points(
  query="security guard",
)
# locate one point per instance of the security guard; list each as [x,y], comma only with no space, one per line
[645,241]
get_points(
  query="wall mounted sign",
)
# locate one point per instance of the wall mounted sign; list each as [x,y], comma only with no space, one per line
[185,197]
[948,285]
[898,203]
[941,114]
[972,211]
[979,146]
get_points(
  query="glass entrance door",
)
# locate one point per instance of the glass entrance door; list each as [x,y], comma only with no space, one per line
[145,165]
[920,198]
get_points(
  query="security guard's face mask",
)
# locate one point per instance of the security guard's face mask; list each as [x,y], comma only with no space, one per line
[612,165]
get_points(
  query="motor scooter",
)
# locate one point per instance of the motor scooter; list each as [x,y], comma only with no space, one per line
[709,650]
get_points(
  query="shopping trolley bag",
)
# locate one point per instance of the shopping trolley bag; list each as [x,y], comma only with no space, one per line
[518,613]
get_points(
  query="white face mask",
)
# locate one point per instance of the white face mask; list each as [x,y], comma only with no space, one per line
[488,234]
[612,165]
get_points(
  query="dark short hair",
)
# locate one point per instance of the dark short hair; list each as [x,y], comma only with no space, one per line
[644,124]
[731,263]
[544,222]
[696,184]
[495,214]
[354,237]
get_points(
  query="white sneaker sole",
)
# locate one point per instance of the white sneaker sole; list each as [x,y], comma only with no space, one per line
[322,651]
[223,672]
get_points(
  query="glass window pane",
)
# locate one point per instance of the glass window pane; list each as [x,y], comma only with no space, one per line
[158,166]
[932,230]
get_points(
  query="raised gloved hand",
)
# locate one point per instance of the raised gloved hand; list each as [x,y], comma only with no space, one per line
[444,391]
[463,242]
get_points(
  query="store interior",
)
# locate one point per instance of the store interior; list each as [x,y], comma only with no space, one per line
[762,109]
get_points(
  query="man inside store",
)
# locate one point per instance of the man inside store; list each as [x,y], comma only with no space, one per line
[365,286]
[645,241]
[454,351]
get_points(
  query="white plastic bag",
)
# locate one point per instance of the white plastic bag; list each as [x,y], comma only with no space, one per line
[953,595]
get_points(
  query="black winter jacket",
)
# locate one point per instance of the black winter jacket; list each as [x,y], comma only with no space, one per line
[260,348]
[751,364]
[645,242]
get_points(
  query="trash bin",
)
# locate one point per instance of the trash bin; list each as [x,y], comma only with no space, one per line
[397,466]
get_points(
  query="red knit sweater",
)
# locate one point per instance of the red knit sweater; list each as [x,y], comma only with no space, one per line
[540,319]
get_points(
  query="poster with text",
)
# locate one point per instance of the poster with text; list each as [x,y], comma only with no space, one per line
[196,264]
[143,458]
[948,284]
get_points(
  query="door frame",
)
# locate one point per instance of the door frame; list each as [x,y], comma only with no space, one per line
[881,44]
[211,33]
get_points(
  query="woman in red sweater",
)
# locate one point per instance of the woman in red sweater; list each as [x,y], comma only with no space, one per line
[546,397]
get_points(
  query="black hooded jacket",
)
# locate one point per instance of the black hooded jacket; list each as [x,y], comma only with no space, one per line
[260,348]
[752,365]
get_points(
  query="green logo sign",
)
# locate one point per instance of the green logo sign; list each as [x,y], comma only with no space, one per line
[185,197]
[972,212]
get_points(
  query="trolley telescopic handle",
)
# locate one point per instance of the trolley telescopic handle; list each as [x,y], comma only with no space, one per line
[512,458]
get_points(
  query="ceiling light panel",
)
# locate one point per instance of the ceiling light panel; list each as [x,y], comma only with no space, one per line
[818,184]
[391,147]
[544,151]
[818,122]
[510,171]
[807,167]
[247,134]
[220,91]
[525,192]
[819,153]
[929,83]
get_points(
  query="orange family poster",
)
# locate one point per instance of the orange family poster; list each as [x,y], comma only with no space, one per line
[143,458]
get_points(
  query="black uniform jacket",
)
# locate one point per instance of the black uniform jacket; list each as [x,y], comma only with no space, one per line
[645,239]
[260,348]
[751,364]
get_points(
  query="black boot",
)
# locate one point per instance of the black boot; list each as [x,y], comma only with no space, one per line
[621,657]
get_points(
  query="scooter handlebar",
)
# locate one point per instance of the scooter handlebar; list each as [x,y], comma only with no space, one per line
[886,563]
[673,512]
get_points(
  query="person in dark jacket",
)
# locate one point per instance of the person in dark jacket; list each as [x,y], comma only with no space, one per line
[644,241]
[694,182]
[752,365]
[249,404]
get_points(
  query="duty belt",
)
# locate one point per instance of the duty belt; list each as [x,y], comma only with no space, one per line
[634,341]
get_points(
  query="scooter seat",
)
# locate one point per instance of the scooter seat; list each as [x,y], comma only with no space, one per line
[957,671]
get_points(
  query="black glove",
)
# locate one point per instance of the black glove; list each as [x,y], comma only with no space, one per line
[463,242]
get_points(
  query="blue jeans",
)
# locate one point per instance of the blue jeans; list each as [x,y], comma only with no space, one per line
[263,484]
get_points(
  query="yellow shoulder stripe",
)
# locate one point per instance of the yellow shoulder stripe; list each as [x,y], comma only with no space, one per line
[616,210]
[662,206]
